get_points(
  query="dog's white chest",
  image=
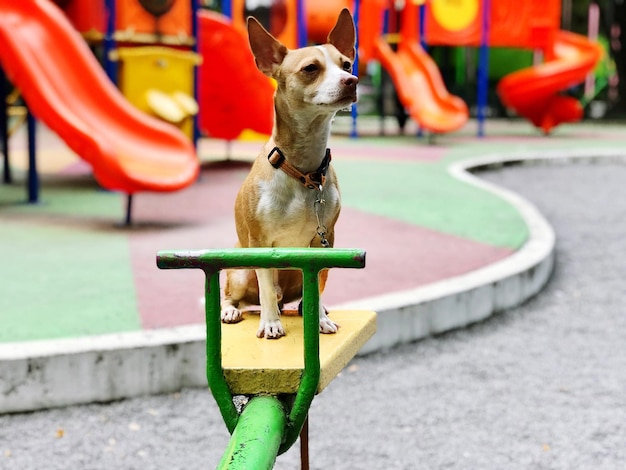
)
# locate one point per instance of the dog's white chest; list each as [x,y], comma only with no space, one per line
[292,213]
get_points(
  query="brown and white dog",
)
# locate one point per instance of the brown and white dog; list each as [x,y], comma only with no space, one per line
[291,198]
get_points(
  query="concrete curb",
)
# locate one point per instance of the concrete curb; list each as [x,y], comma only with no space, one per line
[43,374]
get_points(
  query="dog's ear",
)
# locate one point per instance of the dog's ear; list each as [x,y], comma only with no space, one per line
[268,51]
[343,35]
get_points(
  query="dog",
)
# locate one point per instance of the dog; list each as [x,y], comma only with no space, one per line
[291,197]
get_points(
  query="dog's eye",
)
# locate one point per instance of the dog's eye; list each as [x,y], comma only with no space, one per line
[310,68]
[347,66]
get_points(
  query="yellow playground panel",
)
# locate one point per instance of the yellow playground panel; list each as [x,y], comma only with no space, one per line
[160,82]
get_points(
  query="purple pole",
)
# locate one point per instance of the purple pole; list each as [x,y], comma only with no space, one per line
[354,109]
[483,69]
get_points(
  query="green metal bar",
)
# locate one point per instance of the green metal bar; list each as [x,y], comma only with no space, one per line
[215,376]
[251,258]
[254,443]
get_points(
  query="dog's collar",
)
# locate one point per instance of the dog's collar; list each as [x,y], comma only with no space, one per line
[311,180]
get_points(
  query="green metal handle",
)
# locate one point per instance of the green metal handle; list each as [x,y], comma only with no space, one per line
[311,261]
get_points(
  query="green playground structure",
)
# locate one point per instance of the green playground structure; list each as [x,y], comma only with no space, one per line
[277,408]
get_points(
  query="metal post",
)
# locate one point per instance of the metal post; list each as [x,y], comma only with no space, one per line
[110,66]
[129,210]
[301,31]
[422,41]
[4,127]
[483,70]
[227,9]
[354,109]
[33,176]
[195,32]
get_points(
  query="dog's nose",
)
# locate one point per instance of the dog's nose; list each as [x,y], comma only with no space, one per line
[350,82]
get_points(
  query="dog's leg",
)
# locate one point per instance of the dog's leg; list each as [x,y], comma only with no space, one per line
[234,291]
[327,326]
[279,289]
[270,326]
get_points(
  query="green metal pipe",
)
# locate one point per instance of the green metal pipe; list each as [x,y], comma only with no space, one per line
[251,258]
[255,441]
[215,374]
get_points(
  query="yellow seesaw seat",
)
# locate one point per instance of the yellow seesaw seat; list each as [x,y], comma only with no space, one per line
[254,366]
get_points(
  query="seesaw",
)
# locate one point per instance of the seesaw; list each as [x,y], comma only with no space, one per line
[278,378]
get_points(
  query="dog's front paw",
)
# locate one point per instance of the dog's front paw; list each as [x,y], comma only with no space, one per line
[327,326]
[270,330]
[231,314]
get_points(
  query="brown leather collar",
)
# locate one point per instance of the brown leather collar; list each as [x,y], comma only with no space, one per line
[311,180]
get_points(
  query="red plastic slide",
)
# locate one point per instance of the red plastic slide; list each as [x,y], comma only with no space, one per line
[233,94]
[66,88]
[533,92]
[421,89]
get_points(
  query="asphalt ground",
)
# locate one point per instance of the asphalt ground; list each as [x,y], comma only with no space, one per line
[542,386]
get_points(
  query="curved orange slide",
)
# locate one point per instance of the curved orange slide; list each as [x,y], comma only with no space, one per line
[66,88]
[533,92]
[420,87]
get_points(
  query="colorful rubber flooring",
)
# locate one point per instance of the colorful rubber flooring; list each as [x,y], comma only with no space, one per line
[67,269]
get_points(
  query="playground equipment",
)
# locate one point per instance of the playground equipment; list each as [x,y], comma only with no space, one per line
[416,77]
[134,21]
[284,19]
[160,81]
[63,85]
[238,97]
[233,95]
[280,378]
[532,93]
[155,44]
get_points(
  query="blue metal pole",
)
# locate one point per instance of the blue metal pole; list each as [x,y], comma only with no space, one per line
[483,69]
[33,176]
[4,126]
[227,8]
[422,25]
[195,33]
[422,36]
[302,38]
[110,66]
[355,108]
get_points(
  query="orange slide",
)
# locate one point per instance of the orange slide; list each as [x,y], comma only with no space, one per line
[533,92]
[66,88]
[420,87]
